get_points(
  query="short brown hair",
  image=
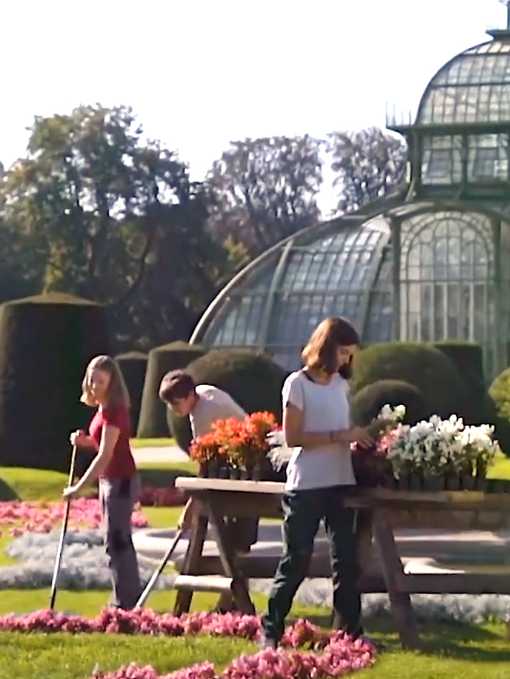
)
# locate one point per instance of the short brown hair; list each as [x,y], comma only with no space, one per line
[118,394]
[176,384]
[320,352]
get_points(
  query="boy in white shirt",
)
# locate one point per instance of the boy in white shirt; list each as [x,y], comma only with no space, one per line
[204,404]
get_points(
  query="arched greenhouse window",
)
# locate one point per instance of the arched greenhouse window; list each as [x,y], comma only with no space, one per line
[447,289]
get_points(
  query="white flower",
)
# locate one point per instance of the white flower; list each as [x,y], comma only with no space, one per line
[390,414]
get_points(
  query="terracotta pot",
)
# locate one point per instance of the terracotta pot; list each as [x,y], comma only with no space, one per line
[403,482]
[468,482]
[247,473]
[433,482]
[235,473]
[452,482]
[480,484]
[214,469]
[415,481]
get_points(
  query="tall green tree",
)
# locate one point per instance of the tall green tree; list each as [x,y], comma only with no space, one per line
[265,189]
[99,200]
[366,165]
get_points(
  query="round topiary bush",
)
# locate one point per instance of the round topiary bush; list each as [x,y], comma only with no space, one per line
[133,365]
[499,409]
[153,420]
[252,379]
[369,400]
[420,365]
[46,343]
[499,392]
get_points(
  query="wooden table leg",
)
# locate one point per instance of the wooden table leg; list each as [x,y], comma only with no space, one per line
[228,561]
[199,524]
[364,534]
[393,572]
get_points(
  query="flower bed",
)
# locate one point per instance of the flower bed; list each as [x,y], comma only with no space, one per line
[43,517]
[84,563]
[324,655]
[235,449]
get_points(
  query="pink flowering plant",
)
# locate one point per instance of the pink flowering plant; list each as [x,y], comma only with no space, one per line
[306,650]
[43,517]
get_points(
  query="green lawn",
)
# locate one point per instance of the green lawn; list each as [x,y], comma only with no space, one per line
[43,484]
[152,443]
[501,468]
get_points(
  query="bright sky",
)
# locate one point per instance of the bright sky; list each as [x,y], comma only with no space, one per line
[200,73]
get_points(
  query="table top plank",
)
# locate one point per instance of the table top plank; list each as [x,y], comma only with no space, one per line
[361,497]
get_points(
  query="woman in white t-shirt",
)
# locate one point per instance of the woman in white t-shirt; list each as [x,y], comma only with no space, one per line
[317,424]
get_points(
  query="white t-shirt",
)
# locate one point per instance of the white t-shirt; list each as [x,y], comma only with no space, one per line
[325,408]
[213,404]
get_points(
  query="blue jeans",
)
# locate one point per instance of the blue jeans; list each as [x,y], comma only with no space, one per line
[303,511]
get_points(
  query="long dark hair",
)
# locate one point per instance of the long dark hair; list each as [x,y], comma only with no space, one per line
[320,352]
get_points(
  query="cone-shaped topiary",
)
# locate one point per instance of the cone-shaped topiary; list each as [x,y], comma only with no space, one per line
[46,343]
[252,379]
[367,402]
[420,365]
[133,365]
[153,420]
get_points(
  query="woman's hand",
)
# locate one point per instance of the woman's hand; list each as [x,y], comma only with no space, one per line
[79,439]
[70,492]
[361,436]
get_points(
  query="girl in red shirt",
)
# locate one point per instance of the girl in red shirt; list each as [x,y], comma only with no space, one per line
[109,431]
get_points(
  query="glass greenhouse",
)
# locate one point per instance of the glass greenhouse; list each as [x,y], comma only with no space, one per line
[429,263]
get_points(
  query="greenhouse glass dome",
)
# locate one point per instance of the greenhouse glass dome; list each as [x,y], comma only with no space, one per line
[430,262]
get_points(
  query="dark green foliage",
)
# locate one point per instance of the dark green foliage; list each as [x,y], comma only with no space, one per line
[500,393]
[153,420]
[252,379]
[369,400]
[134,366]
[46,343]
[421,365]
[468,358]
[498,405]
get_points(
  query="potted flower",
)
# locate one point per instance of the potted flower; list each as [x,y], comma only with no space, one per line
[480,451]
[442,451]
[370,465]
[206,451]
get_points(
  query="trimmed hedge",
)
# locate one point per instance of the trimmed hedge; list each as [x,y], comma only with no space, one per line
[133,365]
[252,379]
[46,343]
[368,401]
[499,409]
[421,365]
[153,421]
[468,358]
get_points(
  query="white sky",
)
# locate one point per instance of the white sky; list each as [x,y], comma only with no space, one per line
[200,73]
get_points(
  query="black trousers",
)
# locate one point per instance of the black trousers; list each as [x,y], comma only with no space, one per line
[303,511]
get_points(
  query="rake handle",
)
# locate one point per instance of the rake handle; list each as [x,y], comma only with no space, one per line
[152,581]
[63,531]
